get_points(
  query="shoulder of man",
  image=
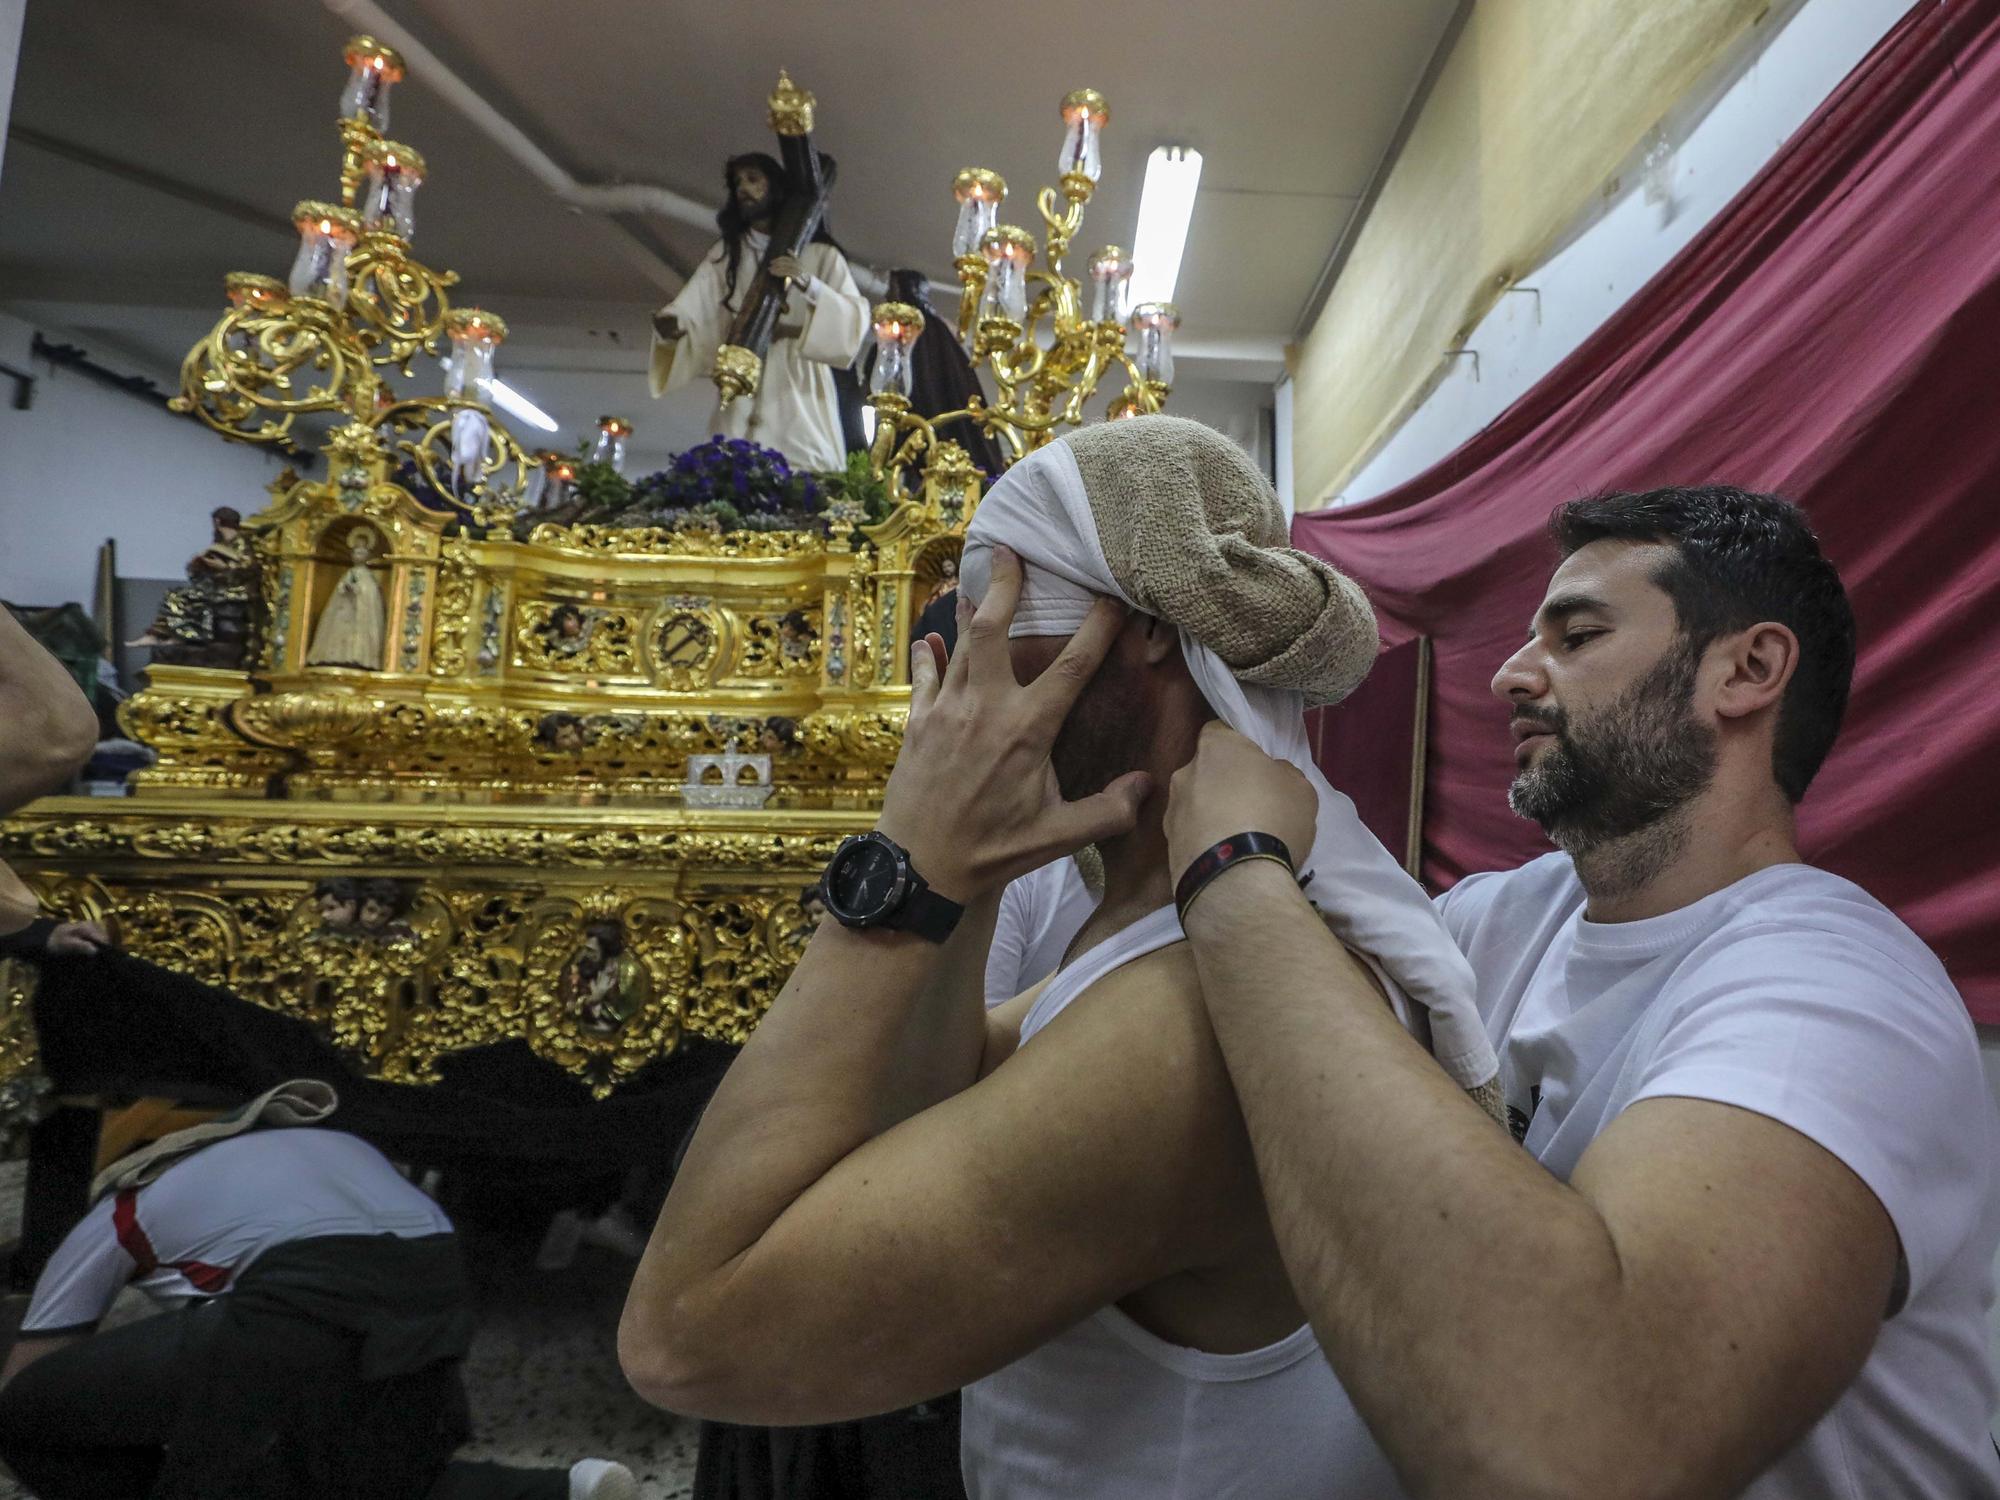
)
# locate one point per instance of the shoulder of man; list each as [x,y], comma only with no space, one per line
[1811,1003]
[1792,921]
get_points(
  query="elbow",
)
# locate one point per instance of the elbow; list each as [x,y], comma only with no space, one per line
[74,736]
[655,1363]
[673,1359]
[52,749]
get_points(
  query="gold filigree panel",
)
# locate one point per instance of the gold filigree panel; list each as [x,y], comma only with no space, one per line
[399,973]
[560,636]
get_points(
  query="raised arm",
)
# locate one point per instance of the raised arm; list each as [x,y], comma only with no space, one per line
[778,1197]
[1665,1324]
[47,726]
[1095,1162]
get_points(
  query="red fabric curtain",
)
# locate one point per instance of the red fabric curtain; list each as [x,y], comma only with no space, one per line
[1833,336]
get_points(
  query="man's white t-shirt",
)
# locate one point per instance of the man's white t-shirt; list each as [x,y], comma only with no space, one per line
[193,1230]
[1794,994]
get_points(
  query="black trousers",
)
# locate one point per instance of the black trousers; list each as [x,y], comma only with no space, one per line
[901,1455]
[93,1421]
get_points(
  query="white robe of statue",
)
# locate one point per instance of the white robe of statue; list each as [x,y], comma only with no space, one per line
[349,633]
[795,409]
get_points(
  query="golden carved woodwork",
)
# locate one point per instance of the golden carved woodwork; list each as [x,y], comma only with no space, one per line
[482,835]
[511,784]
[492,908]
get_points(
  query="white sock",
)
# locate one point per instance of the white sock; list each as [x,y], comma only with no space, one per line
[601,1479]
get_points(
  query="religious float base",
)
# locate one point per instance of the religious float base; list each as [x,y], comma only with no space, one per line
[578,799]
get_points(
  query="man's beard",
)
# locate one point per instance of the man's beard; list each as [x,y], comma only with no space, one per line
[1100,739]
[756,215]
[1625,768]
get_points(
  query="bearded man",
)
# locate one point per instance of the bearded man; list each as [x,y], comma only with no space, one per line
[895,1194]
[795,409]
[1748,1247]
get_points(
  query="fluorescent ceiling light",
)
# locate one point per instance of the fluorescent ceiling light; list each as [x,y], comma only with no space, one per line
[515,404]
[1165,206]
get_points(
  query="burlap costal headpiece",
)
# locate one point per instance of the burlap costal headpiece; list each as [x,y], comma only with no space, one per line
[1174,519]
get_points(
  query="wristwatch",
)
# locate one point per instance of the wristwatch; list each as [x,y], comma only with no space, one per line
[870,882]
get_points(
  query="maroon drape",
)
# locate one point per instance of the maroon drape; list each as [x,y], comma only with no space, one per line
[1833,336]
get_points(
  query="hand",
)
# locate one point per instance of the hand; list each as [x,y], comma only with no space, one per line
[786,268]
[667,326]
[1233,787]
[78,940]
[973,796]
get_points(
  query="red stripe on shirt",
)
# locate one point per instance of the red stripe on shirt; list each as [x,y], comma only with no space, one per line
[205,1278]
[125,1221]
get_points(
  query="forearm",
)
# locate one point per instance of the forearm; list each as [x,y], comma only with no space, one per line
[47,726]
[944,1036]
[808,1088]
[1432,1254]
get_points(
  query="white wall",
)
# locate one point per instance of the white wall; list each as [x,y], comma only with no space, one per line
[1696,166]
[87,462]
[13,15]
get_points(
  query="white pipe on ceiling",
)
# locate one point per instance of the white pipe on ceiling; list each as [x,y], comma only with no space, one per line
[601,198]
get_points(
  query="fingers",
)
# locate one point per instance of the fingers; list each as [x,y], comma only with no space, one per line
[1112,812]
[982,640]
[924,674]
[1056,689]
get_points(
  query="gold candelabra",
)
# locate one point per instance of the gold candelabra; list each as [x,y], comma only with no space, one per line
[357,305]
[1046,345]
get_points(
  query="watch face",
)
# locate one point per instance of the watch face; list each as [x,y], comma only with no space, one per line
[863,881]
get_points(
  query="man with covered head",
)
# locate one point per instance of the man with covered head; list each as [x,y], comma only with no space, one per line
[895,1194]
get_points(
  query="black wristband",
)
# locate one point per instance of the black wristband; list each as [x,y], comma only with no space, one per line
[1234,850]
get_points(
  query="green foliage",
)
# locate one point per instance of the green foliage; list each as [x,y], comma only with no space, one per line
[858,483]
[601,490]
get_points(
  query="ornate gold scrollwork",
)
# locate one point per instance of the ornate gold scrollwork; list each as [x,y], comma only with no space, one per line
[398,303]
[564,636]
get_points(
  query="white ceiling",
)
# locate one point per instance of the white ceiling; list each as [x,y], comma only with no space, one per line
[121,104]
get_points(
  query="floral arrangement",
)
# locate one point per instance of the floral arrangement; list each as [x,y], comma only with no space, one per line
[724,484]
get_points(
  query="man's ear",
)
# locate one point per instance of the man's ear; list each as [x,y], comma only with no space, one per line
[1158,639]
[1755,665]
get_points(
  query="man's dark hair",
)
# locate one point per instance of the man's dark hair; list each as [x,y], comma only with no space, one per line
[1740,558]
[734,226]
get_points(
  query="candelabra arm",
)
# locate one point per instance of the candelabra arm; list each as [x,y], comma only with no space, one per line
[356,136]
[1063,223]
[397,304]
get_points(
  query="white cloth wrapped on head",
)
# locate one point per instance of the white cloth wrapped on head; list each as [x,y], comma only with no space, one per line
[1216,564]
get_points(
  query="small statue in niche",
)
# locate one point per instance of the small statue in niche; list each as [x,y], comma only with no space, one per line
[796,637]
[339,901]
[206,621]
[777,736]
[561,733]
[384,904]
[602,983]
[349,633]
[947,580]
[364,910]
[568,628]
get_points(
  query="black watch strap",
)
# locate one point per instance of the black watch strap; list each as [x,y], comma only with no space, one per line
[926,913]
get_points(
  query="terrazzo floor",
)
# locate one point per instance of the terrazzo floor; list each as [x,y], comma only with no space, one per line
[543,1373]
